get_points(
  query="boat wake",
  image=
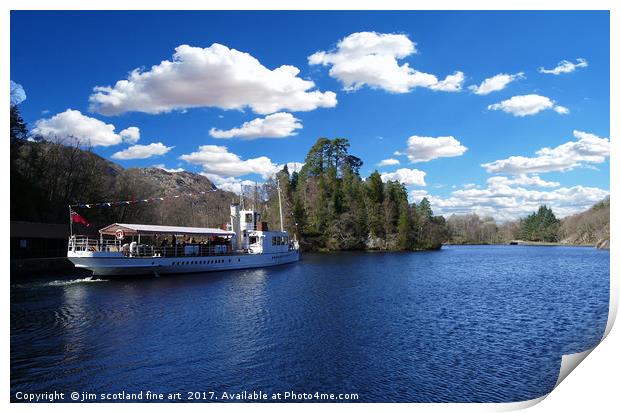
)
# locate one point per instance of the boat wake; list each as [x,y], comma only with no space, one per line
[62,283]
[59,283]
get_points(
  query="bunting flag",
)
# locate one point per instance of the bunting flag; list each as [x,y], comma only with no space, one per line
[135,201]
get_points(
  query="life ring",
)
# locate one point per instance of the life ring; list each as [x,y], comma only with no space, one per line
[120,234]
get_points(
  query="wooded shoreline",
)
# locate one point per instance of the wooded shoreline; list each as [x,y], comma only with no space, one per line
[327,205]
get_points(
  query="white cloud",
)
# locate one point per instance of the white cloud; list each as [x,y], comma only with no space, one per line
[417,195]
[142,151]
[525,105]
[277,125]
[452,83]
[508,202]
[72,124]
[292,166]
[495,83]
[130,135]
[370,58]
[399,153]
[389,162]
[523,180]
[564,67]
[18,95]
[211,77]
[423,148]
[230,184]
[216,160]
[405,176]
[586,150]
[233,184]
[171,170]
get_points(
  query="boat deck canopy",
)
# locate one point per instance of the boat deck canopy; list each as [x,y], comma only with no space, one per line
[142,229]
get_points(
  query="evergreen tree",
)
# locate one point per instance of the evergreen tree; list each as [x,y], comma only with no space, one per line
[424,208]
[19,128]
[374,204]
[405,238]
[542,226]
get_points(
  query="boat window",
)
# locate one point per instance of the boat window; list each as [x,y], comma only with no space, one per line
[280,240]
[248,217]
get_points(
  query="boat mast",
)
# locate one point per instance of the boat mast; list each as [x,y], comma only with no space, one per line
[70,222]
[280,204]
[241,197]
[256,196]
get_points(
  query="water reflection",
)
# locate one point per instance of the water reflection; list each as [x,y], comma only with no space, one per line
[464,324]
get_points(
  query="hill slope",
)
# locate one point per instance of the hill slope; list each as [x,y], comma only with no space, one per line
[590,227]
[46,177]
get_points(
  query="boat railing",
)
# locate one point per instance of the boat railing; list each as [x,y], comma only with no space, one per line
[188,250]
[79,243]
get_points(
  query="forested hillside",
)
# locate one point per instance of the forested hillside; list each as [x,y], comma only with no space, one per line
[327,205]
[47,177]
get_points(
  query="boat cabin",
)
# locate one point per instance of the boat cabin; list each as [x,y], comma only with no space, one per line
[140,240]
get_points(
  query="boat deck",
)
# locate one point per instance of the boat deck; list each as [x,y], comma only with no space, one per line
[86,244]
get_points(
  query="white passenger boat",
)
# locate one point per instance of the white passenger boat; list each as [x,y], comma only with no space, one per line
[137,249]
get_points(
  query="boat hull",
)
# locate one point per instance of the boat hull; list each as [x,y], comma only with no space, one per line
[119,266]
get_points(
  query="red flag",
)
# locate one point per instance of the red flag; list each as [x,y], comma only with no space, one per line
[75,217]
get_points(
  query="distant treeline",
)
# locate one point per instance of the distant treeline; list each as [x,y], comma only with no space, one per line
[590,227]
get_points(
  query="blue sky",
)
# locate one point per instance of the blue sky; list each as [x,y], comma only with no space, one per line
[383,77]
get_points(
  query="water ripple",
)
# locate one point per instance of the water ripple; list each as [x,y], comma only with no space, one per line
[465,324]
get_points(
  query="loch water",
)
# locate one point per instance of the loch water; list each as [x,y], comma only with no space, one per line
[463,324]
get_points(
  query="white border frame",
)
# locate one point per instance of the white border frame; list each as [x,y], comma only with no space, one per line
[596,379]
